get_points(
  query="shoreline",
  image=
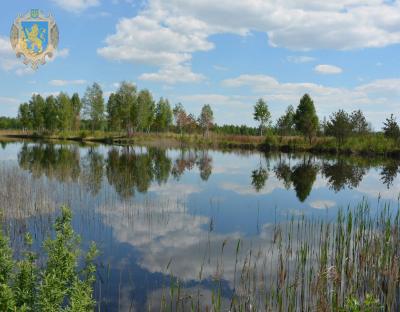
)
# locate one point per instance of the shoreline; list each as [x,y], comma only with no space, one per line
[321,145]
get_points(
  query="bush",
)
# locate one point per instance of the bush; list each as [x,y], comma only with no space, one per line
[58,284]
[83,134]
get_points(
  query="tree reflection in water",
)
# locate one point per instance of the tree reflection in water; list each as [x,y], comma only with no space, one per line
[128,170]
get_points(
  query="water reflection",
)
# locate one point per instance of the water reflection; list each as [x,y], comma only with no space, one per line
[389,173]
[343,174]
[59,162]
[131,170]
[149,206]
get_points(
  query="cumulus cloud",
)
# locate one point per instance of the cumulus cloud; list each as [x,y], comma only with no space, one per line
[61,83]
[375,97]
[167,33]
[327,69]
[144,39]
[173,74]
[76,6]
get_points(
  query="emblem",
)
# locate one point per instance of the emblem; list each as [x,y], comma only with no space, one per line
[33,37]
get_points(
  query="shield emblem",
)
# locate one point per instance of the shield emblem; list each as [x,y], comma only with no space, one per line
[34,37]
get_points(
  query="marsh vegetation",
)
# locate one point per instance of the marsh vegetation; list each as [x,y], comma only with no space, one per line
[185,229]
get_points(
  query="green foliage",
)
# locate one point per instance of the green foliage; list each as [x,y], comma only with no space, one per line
[126,100]
[259,178]
[206,119]
[391,128]
[305,118]
[10,123]
[24,115]
[163,116]
[340,126]
[76,110]
[57,286]
[285,123]
[235,129]
[261,114]
[60,113]
[65,112]
[359,122]
[36,108]
[145,110]
[180,116]
[370,304]
[93,105]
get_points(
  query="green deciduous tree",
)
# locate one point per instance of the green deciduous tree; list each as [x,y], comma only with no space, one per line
[261,114]
[127,106]
[145,110]
[113,121]
[340,126]
[76,109]
[163,116]
[180,117]
[285,123]
[24,115]
[51,114]
[93,104]
[306,119]
[206,119]
[65,112]
[36,107]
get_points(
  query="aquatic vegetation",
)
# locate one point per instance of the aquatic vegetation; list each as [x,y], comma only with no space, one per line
[57,285]
[350,264]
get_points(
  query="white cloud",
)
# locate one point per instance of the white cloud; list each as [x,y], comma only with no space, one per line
[322,204]
[8,100]
[298,59]
[173,75]
[143,39]
[375,98]
[61,83]
[9,61]
[327,69]
[76,6]
[63,53]
[166,33]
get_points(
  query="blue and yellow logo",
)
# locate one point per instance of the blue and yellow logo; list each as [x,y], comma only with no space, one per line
[34,37]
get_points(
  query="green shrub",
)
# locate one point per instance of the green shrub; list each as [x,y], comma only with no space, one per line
[83,134]
[370,304]
[58,285]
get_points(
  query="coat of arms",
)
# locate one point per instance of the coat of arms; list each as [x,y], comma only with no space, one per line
[34,36]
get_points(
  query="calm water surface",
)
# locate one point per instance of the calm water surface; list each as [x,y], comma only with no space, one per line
[148,207]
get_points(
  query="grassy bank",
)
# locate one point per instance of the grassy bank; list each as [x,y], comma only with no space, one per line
[369,145]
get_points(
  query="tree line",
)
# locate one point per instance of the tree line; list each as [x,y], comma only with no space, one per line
[304,121]
[128,109]
[131,110]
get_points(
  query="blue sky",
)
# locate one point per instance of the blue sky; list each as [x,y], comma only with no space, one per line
[225,53]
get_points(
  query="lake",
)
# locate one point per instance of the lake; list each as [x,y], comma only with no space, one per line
[162,216]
